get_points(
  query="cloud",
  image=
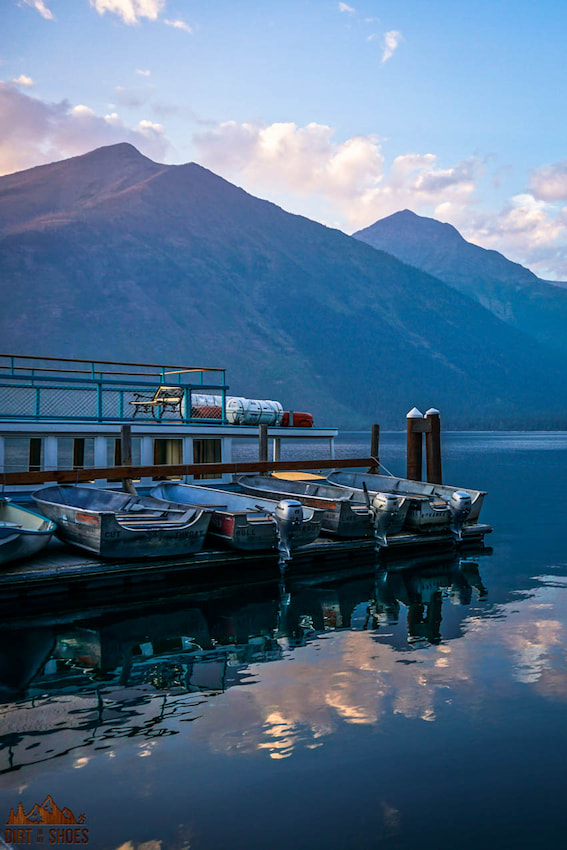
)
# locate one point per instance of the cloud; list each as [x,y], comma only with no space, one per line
[343,7]
[302,160]
[526,230]
[40,6]
[82,111]
[132,98]
[179,25]
[143,73]
[23,80]
[549,182]
[33,131]
[342,182]
[153,132]
[164,109]
[131,11]
[391,42]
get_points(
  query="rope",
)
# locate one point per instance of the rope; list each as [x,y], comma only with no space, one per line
[387,471]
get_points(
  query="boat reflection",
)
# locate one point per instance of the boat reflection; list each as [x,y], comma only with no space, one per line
[422,595]
[70,686]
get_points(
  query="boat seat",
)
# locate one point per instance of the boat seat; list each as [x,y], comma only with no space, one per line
[136,515]
[164,398]
[154,523]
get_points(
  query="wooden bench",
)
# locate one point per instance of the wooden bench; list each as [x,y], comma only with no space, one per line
[164,398]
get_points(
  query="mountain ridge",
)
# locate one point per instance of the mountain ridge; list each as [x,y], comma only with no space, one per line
[509,290]
[175,263]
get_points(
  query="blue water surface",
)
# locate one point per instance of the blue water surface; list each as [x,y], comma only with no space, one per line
[415,703]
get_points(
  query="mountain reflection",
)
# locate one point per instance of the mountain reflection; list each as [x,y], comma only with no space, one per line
[98,682]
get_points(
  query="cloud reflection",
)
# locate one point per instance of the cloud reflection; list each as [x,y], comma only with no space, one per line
[352,679]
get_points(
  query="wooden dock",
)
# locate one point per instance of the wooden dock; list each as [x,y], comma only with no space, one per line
[67,572]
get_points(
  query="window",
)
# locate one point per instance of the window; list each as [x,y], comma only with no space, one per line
[75,452]
[207,451]
[168,452]
[114,453]
[23,454]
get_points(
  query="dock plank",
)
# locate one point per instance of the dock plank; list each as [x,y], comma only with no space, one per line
[64,567]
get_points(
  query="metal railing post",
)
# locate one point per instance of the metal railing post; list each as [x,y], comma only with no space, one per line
[99,400]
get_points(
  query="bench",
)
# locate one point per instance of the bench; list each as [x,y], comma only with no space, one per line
[164,398]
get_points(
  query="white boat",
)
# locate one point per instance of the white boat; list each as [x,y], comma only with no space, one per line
[22,532]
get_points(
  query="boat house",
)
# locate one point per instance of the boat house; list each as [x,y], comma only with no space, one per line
[61,414]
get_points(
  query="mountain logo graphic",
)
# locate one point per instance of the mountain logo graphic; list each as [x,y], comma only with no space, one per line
[48,813]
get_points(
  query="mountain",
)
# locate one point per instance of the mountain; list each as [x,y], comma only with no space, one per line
[510,291]
[112,256]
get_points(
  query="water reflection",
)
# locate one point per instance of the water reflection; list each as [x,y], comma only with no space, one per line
[83,689]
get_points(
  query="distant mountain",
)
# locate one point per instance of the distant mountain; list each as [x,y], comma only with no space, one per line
[510,291]
[110,255]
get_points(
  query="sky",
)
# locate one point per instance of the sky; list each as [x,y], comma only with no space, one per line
[342,112]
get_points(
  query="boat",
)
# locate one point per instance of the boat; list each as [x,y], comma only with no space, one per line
[22,532]
[120,525]
[343,516]
[432,506]
[245,522]
[87,421]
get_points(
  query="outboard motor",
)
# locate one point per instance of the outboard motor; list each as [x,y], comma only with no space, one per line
[460,505]
[385,508]
[289,519]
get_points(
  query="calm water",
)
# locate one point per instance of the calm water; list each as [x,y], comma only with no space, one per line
[367,708]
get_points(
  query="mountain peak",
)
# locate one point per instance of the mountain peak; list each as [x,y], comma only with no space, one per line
[402,214]
[48,192]
[121,150]
[409,226]
[506,288]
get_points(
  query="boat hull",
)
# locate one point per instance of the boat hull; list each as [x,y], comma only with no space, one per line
[23,533]
[237,520]
[342,517]
[117,525]
[429,503]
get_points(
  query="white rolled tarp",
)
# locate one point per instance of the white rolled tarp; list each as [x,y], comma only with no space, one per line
[243,411]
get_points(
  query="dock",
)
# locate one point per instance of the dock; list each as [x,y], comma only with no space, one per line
[62,575]
[125,426]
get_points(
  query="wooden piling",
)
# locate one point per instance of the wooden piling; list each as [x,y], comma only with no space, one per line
[375,448]
[263,442]
[414,456]
[433,447]
[126,456]
[126,445]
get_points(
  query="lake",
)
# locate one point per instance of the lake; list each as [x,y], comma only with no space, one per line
[412,704]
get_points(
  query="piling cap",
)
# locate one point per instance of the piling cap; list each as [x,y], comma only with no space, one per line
[432,412]
[414,414]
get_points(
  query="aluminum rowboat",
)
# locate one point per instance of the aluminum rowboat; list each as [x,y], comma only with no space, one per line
[118,525]
[245,522]
[22,532]
[433,506]
[344,516]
